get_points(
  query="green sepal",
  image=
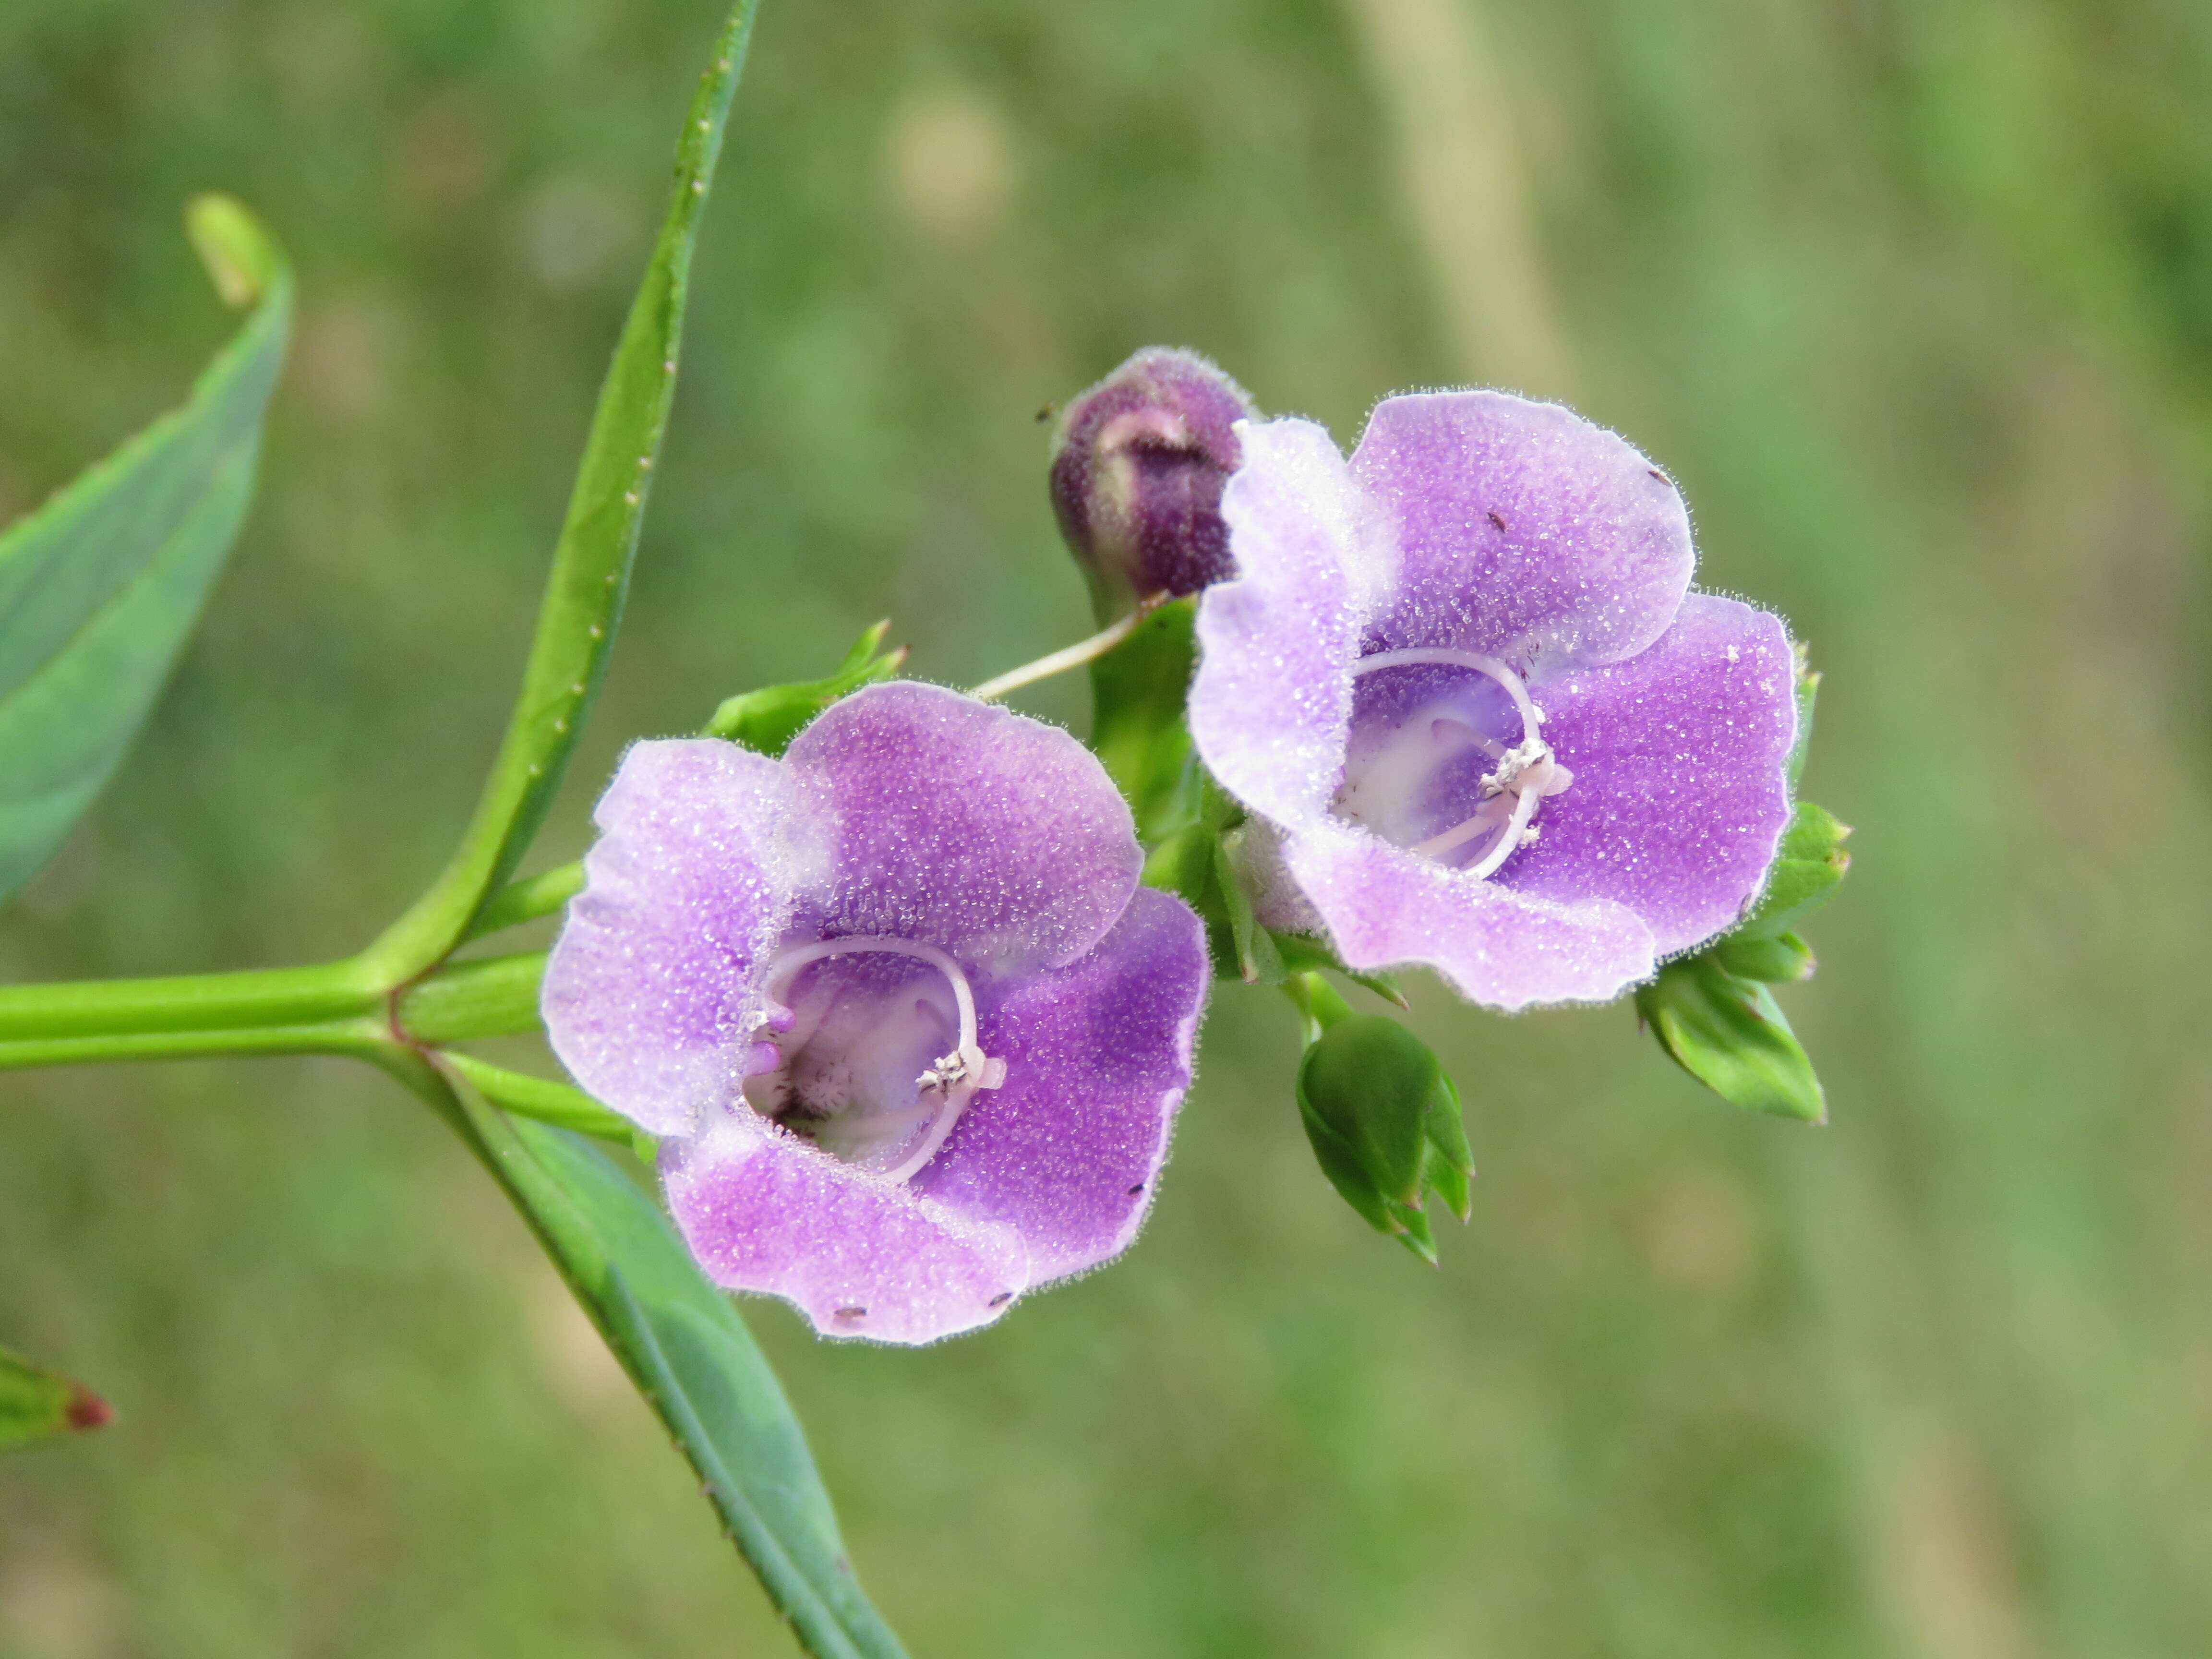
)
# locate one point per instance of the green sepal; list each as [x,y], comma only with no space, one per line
[1450,1166]
[1138,731]
[35,1402]
[1728,1033]
[769,719]
[1808,866]
[1782,960]
[1186,863]
[1383,1120]
[1304,953]
[1258,961]
[1809,692]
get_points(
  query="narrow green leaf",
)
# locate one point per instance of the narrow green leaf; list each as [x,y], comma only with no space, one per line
[590,577]
[35,1403]
[1137,729]
[1730,1035]
[685,1345]
[101,587]
[769,719]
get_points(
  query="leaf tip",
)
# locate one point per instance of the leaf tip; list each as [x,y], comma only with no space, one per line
[240,258]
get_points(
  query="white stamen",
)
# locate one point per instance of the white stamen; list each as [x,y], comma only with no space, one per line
[1527,773]
[956,1076]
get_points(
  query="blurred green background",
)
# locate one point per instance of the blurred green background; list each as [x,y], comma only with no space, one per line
[1914,296]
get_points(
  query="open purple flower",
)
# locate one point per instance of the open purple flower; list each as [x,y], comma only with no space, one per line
[1480,720]
[915,1035]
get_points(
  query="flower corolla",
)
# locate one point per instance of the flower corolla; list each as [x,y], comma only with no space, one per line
[913,1032]
[1481,722]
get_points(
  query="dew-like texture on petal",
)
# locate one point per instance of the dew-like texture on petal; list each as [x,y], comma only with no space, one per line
[860,1257]
[1526,531]
[1272,700]
[997,838]
[647,998]
[1387,907]
[1681,794]
[1098,1054]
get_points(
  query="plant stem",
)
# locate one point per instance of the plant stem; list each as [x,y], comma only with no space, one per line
[1059,662]
[526,900]
[548,1101]
[491,996]
[364,1039]
[196,1002]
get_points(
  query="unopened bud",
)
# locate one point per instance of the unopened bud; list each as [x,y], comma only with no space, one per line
[1137,477]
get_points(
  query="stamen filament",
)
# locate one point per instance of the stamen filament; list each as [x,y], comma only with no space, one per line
[1531,716]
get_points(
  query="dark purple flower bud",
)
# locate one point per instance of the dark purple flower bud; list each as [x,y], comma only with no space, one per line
[1137,477]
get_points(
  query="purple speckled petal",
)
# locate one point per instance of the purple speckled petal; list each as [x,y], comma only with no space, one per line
[860,1257]
[1387,908]
[1527,532]
[992,835]
[647,998]
[1679,795]
[1272,700]
[1098,1055]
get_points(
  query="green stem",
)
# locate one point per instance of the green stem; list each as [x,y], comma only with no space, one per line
[364,1039]
[490,996]
[543,1099]
[526,900]
[196,1002]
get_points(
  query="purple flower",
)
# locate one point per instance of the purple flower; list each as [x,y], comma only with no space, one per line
[914,1032]
[1481,722]
[1137,477]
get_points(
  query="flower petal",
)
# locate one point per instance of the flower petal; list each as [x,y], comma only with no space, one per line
[1387,907]
[647,998]
[994,836]
[1272,700]
[860,1257]
[1099,1055]
[1527,532]
[1679,795]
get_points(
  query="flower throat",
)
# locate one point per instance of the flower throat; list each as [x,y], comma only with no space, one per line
[1378,788]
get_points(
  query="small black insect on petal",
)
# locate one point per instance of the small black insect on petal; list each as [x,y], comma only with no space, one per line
[1492,516]
[1000,1300]
[1134,1190]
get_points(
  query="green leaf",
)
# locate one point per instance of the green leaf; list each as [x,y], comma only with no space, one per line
[36,1403]
[590,578]
[1808,865]
[1729,1034]
[1138,731]
[685,1345]
[101,587]
[769,719]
